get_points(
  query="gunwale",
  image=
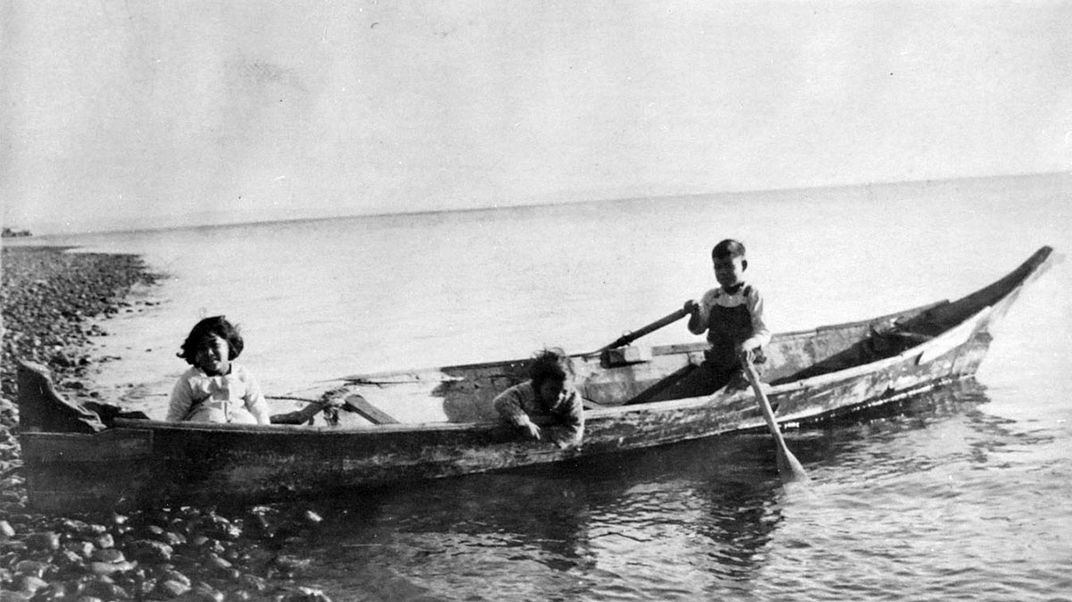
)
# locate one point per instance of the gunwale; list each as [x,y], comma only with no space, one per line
[175,461]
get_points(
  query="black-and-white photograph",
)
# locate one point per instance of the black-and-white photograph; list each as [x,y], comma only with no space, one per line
[329,300]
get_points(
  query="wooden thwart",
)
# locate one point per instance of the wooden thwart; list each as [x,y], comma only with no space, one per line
[359,405]
[829,373]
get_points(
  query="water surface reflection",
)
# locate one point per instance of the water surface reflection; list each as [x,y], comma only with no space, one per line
[700,519]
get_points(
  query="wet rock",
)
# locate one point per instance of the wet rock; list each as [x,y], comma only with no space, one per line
[102,568]
[217,564]
[253,582]
[173,575]
[110,568]
[29,584]
[32,568]
[46,541]
[105,541]
[231,575]
[62,360]
[217,526]
[67,559]
[148,550]
[287,563]
[214,546]
[105,589]
[144,587]
[82,528]
[171,538]
[304,594]
[73,526]
[53,592]
[312,517]
[257,556]
[6,530]
[206,593]
[171,589]
[199,541]
[110,555]
[82,548]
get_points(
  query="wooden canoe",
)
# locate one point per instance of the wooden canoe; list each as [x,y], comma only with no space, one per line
[814,375]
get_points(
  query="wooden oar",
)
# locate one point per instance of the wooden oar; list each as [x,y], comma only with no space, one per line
[789,467]
[629,337]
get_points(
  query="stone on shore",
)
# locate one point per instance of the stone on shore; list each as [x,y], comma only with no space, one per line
[50,301]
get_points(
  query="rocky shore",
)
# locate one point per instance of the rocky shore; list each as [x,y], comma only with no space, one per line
[53,304]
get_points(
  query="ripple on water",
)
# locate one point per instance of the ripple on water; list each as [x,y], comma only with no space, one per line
[942,503]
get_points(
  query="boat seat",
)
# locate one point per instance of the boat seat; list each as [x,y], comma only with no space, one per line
[359,405]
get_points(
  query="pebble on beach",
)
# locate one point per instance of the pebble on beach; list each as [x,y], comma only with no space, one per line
[50,300]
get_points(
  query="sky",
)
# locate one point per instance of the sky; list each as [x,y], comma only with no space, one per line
[120,114]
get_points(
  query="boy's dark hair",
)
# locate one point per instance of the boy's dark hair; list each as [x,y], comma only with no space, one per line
[727,249]
[550,364]
[216,325]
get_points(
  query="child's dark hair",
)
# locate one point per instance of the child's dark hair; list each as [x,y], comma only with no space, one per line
[216,325]
[550,364]
[728,249]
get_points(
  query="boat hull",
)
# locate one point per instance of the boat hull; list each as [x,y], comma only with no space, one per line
[137,463]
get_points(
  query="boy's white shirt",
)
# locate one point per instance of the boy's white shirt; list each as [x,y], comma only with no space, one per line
[761,335]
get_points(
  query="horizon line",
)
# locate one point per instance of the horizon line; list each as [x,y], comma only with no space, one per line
[545,203]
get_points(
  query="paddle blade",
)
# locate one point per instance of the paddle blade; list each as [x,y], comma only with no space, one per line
[789,468]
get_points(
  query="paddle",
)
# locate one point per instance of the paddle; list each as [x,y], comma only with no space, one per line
[629,337]
[789,467]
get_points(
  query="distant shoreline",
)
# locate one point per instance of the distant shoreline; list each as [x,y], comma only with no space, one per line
[9,233]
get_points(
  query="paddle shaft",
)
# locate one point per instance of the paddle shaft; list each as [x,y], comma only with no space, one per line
[789,467]
[629,337]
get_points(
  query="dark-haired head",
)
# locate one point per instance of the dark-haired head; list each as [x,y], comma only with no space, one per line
[728,249]
[550,364]
[204,330]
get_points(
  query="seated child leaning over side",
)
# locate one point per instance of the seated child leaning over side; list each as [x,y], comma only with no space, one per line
[548,397]
[732,316]
[216,388]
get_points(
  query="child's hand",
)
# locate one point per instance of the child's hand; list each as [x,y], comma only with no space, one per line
[532,430]
[691,306]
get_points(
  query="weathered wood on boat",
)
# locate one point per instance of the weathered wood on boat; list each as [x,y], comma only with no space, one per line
[360,405]
[815,375]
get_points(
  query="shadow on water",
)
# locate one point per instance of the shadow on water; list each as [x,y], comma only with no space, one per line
[649,517]
[833,443]
[587,520]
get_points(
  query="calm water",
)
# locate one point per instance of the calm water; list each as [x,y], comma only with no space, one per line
[963,495]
